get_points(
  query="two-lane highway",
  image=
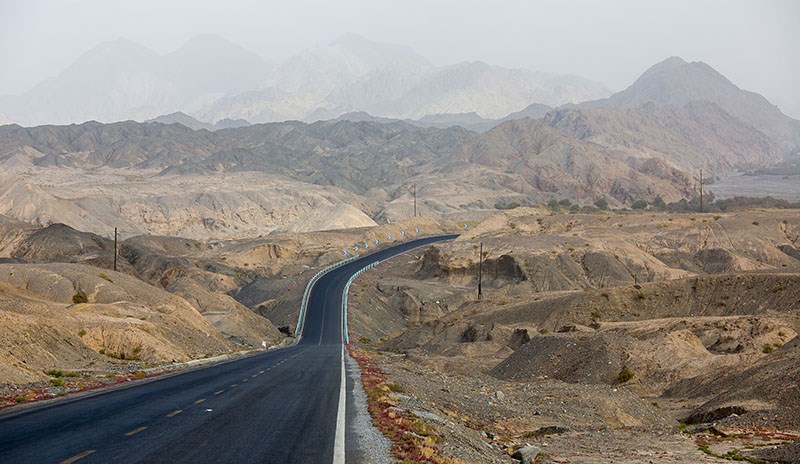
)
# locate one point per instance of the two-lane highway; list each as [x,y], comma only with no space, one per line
[281,406]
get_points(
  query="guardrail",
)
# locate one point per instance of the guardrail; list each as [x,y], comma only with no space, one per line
[301,319]
[344,297]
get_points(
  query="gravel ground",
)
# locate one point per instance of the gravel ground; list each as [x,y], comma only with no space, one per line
[375,446]
[484,419]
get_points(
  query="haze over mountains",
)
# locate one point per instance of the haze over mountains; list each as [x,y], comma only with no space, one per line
[212,79]
[674,83]
[646,142]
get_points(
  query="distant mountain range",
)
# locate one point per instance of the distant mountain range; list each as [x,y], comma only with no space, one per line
[192,123]
[673,83]
[212,79]
[647,141]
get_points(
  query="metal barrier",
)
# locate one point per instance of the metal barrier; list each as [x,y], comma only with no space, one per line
[344,297]
[301,319]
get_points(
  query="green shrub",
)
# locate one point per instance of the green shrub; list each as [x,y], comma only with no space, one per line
[20,399]
[103,276]
[80,297]
[624,375]
[395,387]
[55,373]
[82,332]
[57,382]
[768,348]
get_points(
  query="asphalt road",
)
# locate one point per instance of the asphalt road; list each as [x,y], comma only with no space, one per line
[277,407]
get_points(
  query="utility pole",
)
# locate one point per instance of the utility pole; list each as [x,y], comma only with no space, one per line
[480,270]
[701,190]
[115,249]
[414,190]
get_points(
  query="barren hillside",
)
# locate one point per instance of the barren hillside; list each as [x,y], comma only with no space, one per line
[696,315]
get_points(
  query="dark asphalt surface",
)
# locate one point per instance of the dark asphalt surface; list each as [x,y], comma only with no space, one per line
[276,407]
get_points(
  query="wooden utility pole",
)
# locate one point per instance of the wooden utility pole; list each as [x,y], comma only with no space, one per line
[480,270]
[701,190]
[414,189]
[115,249]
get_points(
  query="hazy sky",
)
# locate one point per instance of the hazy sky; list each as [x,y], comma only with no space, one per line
[754,43]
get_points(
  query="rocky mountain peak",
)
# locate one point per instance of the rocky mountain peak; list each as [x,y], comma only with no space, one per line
[670,63]
[676,83]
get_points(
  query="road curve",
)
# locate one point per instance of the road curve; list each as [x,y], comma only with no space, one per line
[275,407]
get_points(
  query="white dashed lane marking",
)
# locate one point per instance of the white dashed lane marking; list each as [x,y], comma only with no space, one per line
[135,431]
[77,457]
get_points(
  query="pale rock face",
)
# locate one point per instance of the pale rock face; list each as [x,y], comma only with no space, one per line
[328,218]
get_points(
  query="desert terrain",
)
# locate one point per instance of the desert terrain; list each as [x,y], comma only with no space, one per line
[637,253]
[631,336]
[70,322]
[605,337]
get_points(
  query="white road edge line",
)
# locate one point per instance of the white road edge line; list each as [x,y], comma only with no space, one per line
[338,443]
